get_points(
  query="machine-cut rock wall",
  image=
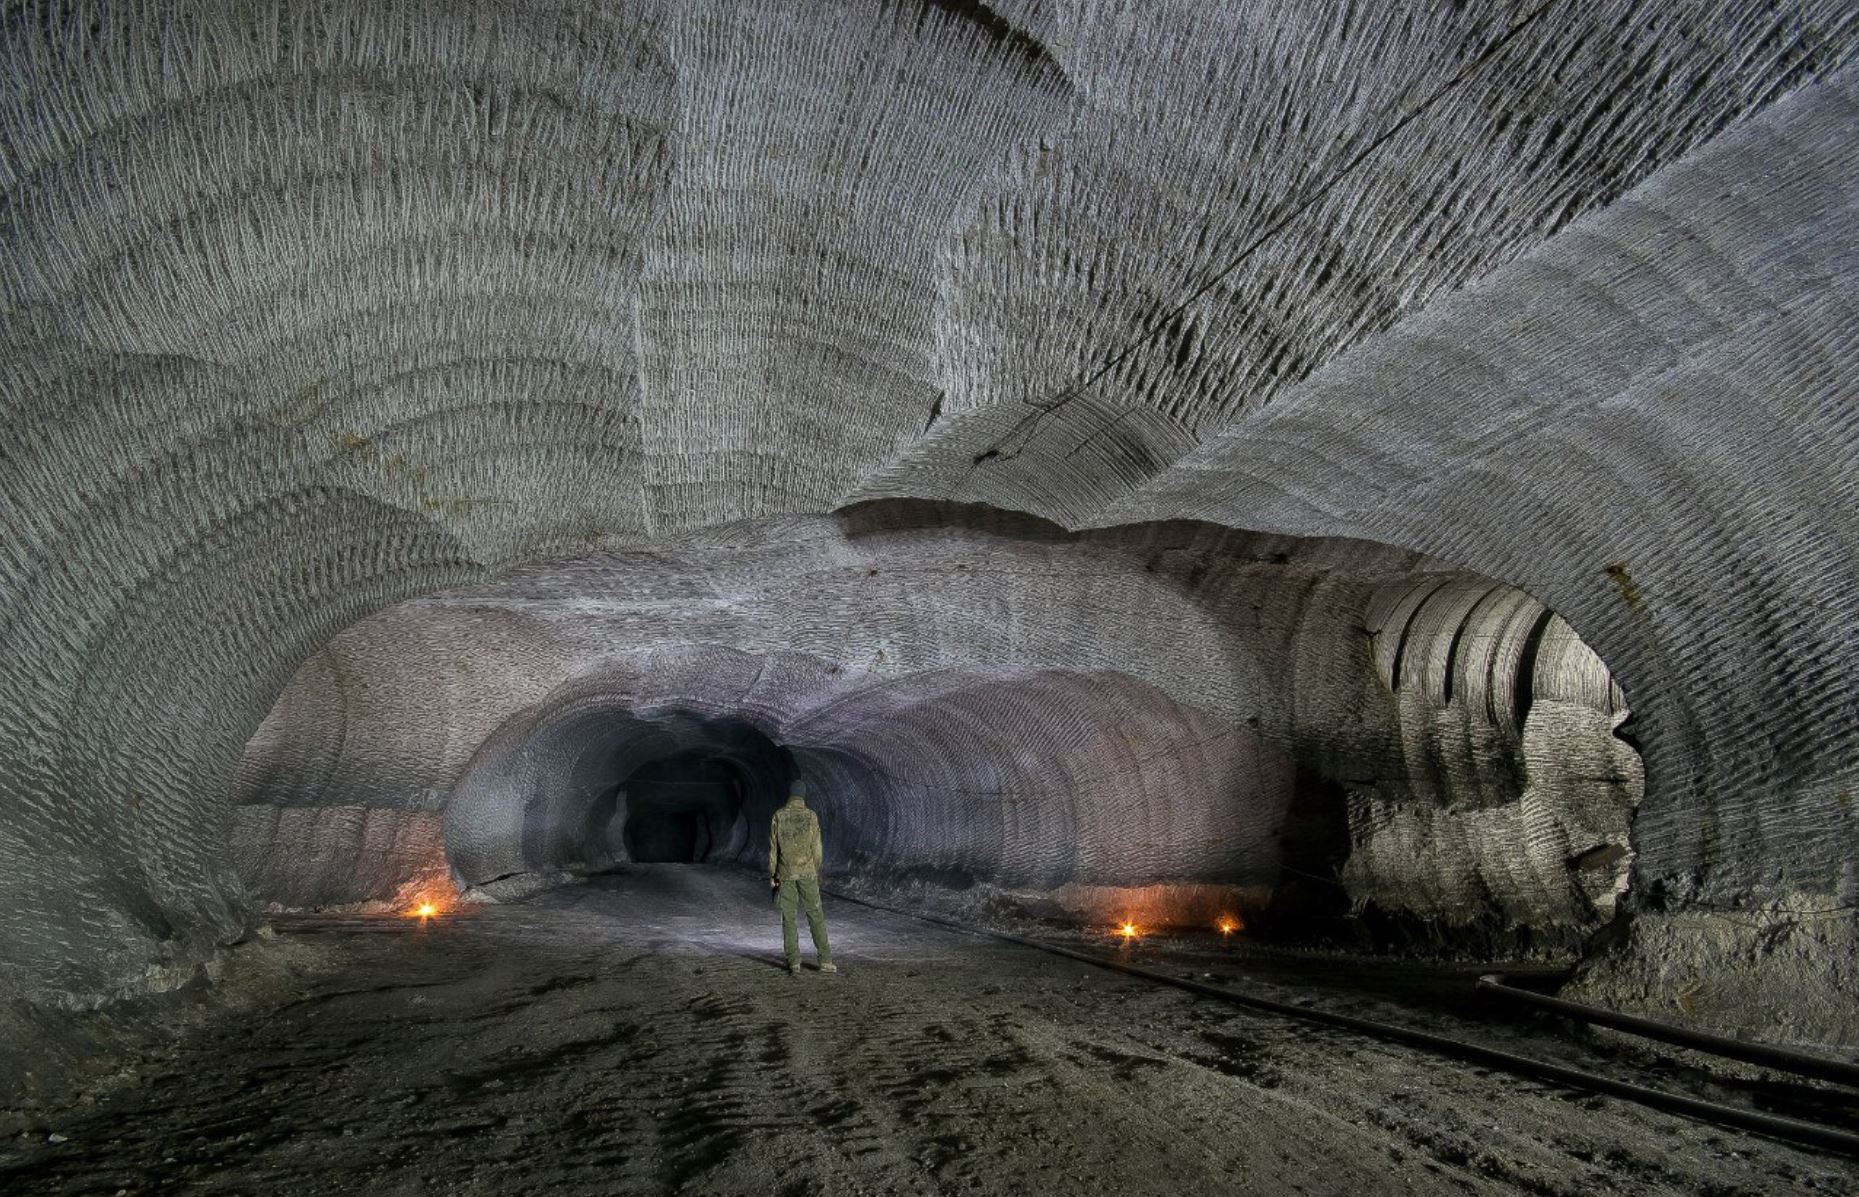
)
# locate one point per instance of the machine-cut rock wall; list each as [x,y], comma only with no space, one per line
[307,309]
[1180,682]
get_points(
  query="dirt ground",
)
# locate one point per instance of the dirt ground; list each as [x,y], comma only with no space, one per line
[639,1035]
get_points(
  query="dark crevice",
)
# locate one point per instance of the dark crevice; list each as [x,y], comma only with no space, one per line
[1407,631]
[1029,50]
[1627,735]
[1525,692]
[681,809]
[1452,654]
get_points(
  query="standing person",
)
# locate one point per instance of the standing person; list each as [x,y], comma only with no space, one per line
[794,855]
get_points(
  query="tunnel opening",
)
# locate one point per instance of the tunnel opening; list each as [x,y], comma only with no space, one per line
[1497,821]
[1450,783]
[593,783]
[682,809]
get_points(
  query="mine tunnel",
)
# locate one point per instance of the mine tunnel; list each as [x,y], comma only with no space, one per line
[1274,579]
[678,810]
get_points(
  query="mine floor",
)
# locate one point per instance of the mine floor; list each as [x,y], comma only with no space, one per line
[639,1035]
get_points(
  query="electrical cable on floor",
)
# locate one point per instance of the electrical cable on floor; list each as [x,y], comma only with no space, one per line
[1764,1054]
[1775,1126]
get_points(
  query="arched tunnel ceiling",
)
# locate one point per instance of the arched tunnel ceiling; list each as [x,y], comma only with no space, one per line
[312,308]
[555,272]
[1235,712]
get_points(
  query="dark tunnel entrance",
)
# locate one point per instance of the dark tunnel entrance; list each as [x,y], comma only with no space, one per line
[683,809]
[590,783]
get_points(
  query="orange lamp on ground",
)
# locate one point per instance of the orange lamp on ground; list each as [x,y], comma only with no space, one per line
[425,907]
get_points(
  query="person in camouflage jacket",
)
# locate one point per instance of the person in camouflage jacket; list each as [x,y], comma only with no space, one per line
[794,855]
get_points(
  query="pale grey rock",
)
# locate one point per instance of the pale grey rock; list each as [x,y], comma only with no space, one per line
[900,660]
[315,308]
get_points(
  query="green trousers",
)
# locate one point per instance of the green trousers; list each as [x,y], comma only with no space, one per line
[793,892]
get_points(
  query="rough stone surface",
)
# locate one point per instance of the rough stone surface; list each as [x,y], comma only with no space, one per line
[1239,712]
[637,1036]
[306,309]
[1653,431]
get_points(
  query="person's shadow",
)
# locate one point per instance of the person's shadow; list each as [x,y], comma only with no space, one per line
[760,958]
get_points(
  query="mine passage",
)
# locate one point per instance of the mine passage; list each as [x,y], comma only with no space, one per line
[636,1034]
[1380,477]
[681,809]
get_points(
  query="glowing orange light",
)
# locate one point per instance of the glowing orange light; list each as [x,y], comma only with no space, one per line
[1129,931]
[427,910]
[1227,924]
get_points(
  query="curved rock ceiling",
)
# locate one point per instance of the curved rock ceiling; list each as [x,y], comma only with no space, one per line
[313,308]
[1238,714]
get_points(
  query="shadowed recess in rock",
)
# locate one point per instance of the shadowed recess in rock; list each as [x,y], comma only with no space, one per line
[1383,734]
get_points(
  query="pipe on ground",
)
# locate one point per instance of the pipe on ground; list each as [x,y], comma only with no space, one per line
[1790,1129]
[1765,1054]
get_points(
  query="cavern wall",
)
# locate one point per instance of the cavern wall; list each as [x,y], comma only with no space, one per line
[1653,430]
[985,699]
[1022,780]
[311,308]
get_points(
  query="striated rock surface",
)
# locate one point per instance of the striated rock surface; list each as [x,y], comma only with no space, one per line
[1225,718]
[309,309]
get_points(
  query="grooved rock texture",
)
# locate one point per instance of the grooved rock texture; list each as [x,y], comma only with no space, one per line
[1512,780]
[1029,780]
[1237,711]
[1652,428]
[309,308]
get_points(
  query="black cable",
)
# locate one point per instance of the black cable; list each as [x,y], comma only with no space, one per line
[1790,1129]
[1766,1054]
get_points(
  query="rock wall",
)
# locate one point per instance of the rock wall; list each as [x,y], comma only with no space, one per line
[1651,428]
[312,308]
[983,700]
